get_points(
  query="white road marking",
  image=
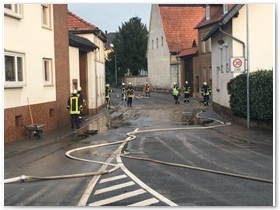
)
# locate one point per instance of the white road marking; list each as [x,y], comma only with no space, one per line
[112,178]
[146,202]
[114,187]
[118,198]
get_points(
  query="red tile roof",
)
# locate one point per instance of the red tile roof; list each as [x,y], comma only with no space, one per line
[179,22]
[189,51]
[77,23]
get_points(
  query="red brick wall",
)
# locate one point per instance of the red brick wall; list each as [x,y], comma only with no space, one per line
[41,114]
[61,44]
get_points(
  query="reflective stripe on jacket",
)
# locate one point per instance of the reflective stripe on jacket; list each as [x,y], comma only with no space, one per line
[187,89]
[74,105]
[130,92]
[205,90]
[175,91]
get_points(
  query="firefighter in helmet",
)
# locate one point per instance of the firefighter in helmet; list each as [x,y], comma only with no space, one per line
[205,93]
[74,105]
[187,91]
[123,92]
[175,92]
[130,94]
[108,96]
[147,89]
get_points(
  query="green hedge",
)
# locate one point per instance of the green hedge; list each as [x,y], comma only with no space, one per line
[261,95]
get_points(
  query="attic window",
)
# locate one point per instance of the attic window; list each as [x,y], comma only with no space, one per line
[225,8]
[207,12]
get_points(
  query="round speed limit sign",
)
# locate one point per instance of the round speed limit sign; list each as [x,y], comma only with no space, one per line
[237,64]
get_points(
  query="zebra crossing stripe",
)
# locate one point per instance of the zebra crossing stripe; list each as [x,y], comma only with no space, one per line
[118,198]
[146,202]
[114,187]
[112,178]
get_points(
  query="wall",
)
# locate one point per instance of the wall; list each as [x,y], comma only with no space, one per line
[61,45]
[74,67]
[35,44]
[96,74]
[261,34]
[158,57]
[261,47]
[29,37]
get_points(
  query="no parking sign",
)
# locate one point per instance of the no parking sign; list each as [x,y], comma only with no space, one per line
[237,64]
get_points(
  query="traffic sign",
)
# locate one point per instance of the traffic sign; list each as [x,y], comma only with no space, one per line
[237,64]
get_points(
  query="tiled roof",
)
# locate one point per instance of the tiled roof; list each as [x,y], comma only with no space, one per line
[77,23]
[216,14]
[179,22]
[189,51]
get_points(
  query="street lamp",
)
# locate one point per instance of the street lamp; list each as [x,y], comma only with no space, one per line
[116,73]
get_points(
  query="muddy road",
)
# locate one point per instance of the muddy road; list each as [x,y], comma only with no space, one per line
[177,154]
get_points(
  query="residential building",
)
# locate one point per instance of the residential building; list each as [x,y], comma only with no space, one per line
[238,31]
[203,68]
[87,61]
[172,35]
[36,67]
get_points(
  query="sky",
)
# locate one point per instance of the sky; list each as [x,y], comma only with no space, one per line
[110,16]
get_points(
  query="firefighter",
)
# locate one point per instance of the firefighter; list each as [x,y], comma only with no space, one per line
[130,94]
[187,90]
[108,96]
[74,105]
[205,93]
[147,89]
[175,92]
[123,92]
[83,103]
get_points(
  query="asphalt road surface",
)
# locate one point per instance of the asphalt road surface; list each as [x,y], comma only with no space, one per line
[167,164]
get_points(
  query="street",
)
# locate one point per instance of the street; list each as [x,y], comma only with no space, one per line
[157,153]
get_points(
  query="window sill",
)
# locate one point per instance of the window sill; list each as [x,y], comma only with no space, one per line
[11,86]
[48,85]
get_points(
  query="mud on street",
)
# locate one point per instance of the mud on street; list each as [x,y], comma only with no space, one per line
[203,142]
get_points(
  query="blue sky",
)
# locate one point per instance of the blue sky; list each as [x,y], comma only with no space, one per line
[109,16]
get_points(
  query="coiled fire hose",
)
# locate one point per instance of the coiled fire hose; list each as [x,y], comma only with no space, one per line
[131,136]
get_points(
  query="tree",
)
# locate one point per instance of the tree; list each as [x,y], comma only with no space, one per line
[130,45]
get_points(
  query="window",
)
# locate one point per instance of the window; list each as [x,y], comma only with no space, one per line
[14,68]
[157,42]
[47,71]
[225,8]
[203,46]
[46,18]
[14,10]
[209,45]
[161,41]
[207,12]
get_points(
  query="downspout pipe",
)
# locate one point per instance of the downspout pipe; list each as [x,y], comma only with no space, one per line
[247,85]
[238,40]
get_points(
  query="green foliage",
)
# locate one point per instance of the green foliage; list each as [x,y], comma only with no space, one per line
[261,95]
[130,46]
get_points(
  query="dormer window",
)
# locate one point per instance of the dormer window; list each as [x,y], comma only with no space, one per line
[225,8]
[207,12]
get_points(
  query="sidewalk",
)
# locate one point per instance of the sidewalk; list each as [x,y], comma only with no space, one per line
[48,137]
[235,131]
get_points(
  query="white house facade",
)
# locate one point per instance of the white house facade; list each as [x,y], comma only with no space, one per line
[87,62]
[158,55]
[29,57]
[31,34]
[230,40]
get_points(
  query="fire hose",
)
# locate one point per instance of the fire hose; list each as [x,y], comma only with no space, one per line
[131,136]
